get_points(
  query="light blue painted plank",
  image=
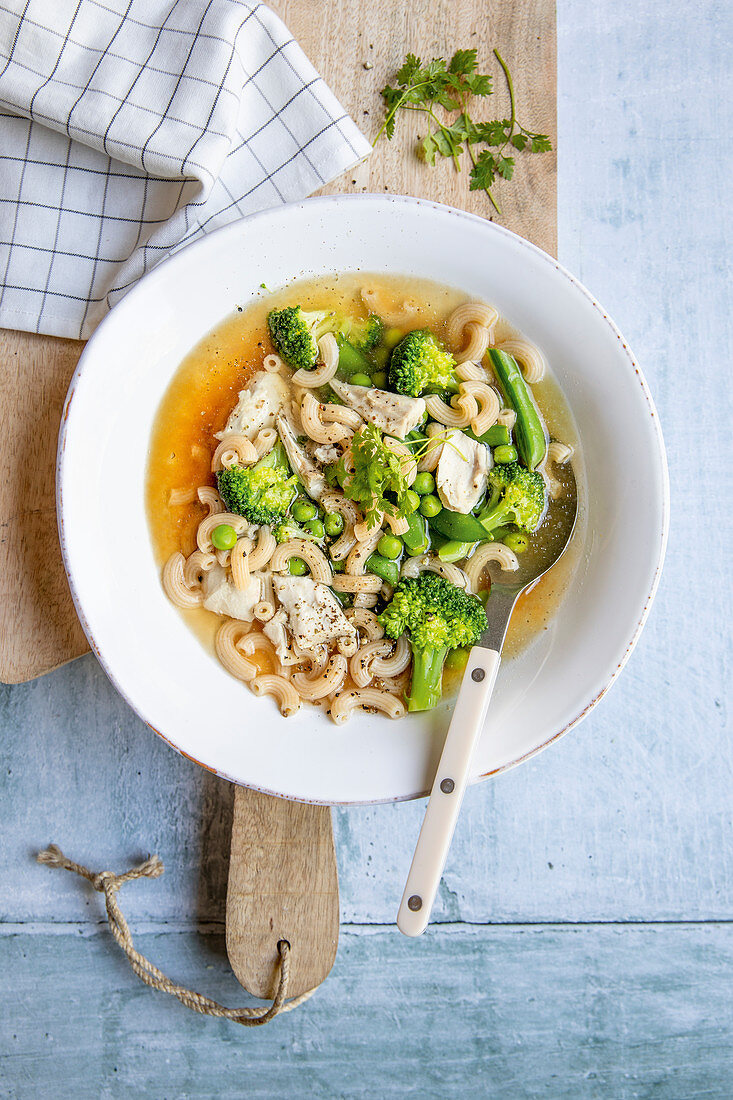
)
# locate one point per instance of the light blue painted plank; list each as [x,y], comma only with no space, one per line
[626,832]
[591,1013]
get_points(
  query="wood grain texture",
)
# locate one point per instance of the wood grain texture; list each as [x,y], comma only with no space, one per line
[38,626]
[283,885]
[341,36]
[39,629]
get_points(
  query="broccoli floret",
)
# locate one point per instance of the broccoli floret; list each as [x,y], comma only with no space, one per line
[288,529]
[419,364]
[438,616]
[364,333]
[261,493]
[296,332]
[518,496]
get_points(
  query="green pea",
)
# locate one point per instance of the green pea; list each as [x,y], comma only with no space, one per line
[392,337]
[224,537]
[412,501]
[379,379]
[303,510]
[457,659]
[297,567]
[316,528]
[505,453]
[516,542]
[430,506]
[334,524]
[338,566]
[389,546]
[424,483]
[360,379]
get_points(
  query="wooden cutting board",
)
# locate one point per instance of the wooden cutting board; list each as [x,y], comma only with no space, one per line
[38,626]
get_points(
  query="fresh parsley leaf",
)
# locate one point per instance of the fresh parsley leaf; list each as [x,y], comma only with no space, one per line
[429,149]
[464,61]
[479,84]
[444,98]
[448,140]
[409,70]
[440,90]
[376,472]
[493,133]
[541,143]
[483,172]
[505,166]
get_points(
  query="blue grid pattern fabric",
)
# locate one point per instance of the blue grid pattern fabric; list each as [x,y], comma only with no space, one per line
[128,128]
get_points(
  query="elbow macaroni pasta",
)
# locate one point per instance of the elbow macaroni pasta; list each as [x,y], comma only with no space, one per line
[431,563]
[228,638]
[328,364]
[505,558]
[459,414]
[398,315]
[311,413]
[327,681]
[280,689]
[488,400]
[174,583]
[530,359]
[234,449]
[314,558]
[470,313]
[346,702]
[366,623]
[557,454]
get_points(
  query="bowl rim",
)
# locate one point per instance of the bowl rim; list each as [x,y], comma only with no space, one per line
[161,271]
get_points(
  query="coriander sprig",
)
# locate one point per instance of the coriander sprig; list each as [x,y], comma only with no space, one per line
[449,87]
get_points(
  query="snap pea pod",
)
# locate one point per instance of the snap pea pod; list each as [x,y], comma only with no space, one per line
[452,550]
[498,435]
[529,431]
[415,537]
[351,360]
[458,527]
[382,567]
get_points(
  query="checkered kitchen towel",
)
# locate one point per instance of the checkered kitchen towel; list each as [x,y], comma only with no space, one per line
[129,128]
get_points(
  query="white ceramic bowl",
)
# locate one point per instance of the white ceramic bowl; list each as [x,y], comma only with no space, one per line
[152,657]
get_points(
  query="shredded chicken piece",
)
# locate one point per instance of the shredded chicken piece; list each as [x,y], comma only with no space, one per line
[314,615]
[312,477]
[393,413]
[223,597]
[462,472]
[258,405]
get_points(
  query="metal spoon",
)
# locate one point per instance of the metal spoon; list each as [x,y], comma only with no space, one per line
[469,713]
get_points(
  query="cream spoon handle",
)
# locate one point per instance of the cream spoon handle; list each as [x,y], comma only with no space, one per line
[451,780]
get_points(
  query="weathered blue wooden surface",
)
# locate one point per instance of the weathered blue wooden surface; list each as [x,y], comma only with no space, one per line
[626,819]
[563,1012]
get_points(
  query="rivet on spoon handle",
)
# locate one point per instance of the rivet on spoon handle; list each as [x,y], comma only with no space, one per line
[449,787]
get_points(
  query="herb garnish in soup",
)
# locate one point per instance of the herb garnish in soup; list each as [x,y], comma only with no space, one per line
[331,473]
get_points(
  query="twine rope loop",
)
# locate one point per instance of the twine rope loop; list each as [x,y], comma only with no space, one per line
[108,883]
